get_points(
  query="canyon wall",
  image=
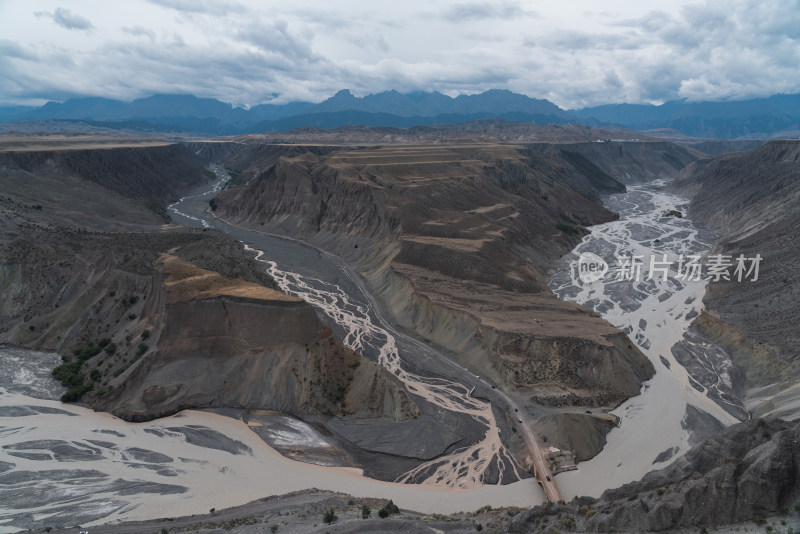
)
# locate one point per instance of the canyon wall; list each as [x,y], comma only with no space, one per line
[230,343]
[456,242]
[753,200]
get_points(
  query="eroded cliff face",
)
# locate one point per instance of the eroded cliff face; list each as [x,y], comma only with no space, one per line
[753,199]
[230,343]
[632,162]
[746,472]
[455,242]
[150,176]
[72,290]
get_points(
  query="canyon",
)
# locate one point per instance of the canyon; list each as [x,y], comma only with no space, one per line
[448,248]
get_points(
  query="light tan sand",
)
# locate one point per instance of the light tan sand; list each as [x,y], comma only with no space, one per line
[189,282]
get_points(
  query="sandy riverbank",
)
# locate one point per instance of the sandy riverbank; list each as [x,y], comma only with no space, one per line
[226,465]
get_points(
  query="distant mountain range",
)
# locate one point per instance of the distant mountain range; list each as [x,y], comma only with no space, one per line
[756,118]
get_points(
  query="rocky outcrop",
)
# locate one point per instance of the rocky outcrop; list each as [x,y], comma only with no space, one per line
[575,370]
[231,343]
[582,433]
[746,472]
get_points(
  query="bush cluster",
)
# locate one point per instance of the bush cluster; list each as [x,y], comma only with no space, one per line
[71,375]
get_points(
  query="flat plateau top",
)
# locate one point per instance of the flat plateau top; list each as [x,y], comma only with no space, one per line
[11,142]
[187,282]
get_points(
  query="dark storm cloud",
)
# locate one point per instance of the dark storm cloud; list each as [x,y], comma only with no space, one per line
[206,7]
[245,52]
[140,31]
[275,37]
[572,40]
[703,51]
[67,19]
[484,10]
[10,49]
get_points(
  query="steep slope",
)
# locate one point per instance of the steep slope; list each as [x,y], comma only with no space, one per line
[214,351]
[746,472]
[754,200]
[78,275]
[151,176]
[455,241]
[634,162]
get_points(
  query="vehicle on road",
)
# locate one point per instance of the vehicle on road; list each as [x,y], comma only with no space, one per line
[547,477]
[519,419]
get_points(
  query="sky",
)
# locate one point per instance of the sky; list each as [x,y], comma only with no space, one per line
[575,53]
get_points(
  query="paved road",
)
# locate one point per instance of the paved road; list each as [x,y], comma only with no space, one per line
[538,458]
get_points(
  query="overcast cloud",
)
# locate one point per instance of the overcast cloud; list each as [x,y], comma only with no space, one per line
[66,19]
[574,53]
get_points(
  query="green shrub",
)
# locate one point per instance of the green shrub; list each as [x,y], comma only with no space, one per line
[120,370]
[131,316]
[141,349]
[95,375]
[329,516]
[383,513]
[366,511]
[567,522]
[69,373]
[213,204]
[145,334]
[89,351]
[75,393]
